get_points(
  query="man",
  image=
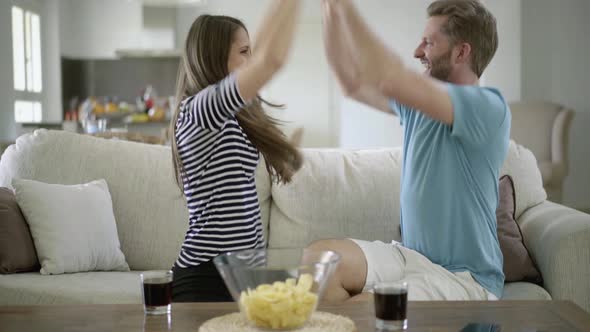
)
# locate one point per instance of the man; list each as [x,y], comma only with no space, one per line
[456,137]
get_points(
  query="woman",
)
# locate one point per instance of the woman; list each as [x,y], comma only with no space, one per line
[219,131]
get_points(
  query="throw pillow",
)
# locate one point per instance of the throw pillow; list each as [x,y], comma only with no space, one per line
[17,252]
[73,226]
[518,265]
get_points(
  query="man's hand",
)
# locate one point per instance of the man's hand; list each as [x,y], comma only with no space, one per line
[362,62]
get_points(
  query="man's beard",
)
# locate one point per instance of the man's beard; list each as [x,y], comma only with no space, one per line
[440,67]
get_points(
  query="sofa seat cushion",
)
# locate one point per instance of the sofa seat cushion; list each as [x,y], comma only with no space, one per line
[74,288]
[524,291]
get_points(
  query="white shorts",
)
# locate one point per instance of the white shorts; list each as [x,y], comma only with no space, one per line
[426,281]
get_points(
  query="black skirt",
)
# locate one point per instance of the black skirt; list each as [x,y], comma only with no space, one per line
[202,283]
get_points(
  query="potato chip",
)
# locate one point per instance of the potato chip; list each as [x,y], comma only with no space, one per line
[282,305]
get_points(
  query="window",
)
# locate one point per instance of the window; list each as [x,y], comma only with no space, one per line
[28,80]
[27,111]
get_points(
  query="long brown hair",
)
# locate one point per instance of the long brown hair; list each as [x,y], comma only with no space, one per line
[203,63]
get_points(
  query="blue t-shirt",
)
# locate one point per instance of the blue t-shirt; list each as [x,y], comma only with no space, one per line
[449,187]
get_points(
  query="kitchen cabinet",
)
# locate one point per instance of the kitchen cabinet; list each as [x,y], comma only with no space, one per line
[91,29]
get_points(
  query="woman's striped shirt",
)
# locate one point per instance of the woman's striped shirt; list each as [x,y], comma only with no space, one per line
[219,163]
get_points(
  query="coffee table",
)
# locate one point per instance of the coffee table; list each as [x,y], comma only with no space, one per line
[423,316]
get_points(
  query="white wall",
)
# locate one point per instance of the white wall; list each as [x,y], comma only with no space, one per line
[52,103]
[399,23]
[504,72]
[7,127]
[554,68]
[304,86]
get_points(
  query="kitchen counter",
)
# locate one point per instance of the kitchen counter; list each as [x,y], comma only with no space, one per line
[148,128]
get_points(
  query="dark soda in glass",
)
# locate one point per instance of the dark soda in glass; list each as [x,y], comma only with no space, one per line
[157,292]
[156,287]
[391,306]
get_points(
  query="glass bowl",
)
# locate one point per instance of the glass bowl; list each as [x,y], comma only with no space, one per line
[277,289]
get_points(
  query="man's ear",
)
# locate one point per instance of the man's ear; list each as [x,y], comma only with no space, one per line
[463,53]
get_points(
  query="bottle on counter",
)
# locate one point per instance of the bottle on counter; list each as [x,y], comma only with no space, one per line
[145,101]
[70,122]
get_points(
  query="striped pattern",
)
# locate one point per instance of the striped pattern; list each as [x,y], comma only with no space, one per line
[219,165]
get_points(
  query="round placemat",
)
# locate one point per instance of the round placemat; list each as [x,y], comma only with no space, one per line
[319,322]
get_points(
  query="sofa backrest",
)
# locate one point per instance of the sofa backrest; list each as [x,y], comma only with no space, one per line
[151,215]
[337,193]
[355,194]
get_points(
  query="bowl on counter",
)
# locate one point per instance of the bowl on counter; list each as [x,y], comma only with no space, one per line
[93,126]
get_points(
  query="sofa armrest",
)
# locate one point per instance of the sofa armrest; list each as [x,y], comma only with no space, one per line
[558,239]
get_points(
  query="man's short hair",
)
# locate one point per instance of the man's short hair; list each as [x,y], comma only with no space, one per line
[469,22]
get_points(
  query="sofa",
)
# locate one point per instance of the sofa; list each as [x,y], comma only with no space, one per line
[337,193]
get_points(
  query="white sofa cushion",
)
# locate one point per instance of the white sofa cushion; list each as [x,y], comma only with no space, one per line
[73,226]
[75,288]
[521,165]
[338,194]
[149,209]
